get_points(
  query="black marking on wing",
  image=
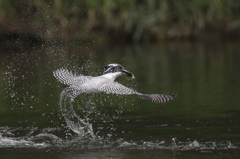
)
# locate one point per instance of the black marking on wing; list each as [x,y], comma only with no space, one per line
[116,88]
[66,77]
[157,98]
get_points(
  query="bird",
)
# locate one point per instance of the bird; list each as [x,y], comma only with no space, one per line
[105,83]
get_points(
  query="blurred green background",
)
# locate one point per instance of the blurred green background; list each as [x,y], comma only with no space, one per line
[191,46]
[103,21]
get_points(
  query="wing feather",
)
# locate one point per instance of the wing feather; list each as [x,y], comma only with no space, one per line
[156,98]
[117,88]
[66,77]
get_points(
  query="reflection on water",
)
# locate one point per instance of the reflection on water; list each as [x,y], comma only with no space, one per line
[204,117]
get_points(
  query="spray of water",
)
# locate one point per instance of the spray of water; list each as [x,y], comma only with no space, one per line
[78,125]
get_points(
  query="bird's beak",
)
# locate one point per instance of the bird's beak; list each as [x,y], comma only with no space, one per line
[129,74]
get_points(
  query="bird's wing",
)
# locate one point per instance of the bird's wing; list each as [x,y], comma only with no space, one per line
[117,88]
[66,77]
[156,98]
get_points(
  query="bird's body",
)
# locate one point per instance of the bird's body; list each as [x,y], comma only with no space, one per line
[92,85]
[104,83]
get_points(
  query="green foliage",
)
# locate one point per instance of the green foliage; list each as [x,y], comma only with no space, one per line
[141,19]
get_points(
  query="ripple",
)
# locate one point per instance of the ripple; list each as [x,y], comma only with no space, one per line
[9,138]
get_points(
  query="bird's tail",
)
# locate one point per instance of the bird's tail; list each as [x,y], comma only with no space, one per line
[72,92]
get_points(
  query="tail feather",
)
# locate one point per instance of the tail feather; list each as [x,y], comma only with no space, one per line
[72,92]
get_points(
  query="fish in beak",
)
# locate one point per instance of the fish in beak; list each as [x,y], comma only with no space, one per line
[128,74]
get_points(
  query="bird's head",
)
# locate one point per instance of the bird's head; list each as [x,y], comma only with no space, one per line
[115,68]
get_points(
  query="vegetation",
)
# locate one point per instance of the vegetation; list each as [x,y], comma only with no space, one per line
[135,20]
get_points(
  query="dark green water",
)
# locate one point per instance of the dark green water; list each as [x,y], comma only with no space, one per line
[203,121]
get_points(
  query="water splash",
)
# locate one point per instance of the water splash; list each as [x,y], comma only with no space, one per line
[33,137]
[74,121]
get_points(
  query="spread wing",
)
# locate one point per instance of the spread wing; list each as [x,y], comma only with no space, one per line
[66,77]
[117,88]
[156,98]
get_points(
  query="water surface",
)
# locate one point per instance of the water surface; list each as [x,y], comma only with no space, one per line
[201,122]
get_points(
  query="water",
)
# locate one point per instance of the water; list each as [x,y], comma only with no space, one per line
[38,120]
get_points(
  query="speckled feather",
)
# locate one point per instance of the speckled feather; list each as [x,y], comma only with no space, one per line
[105,83]
[66,77]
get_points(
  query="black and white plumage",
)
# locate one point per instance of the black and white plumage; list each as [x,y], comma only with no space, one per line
[104,83]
